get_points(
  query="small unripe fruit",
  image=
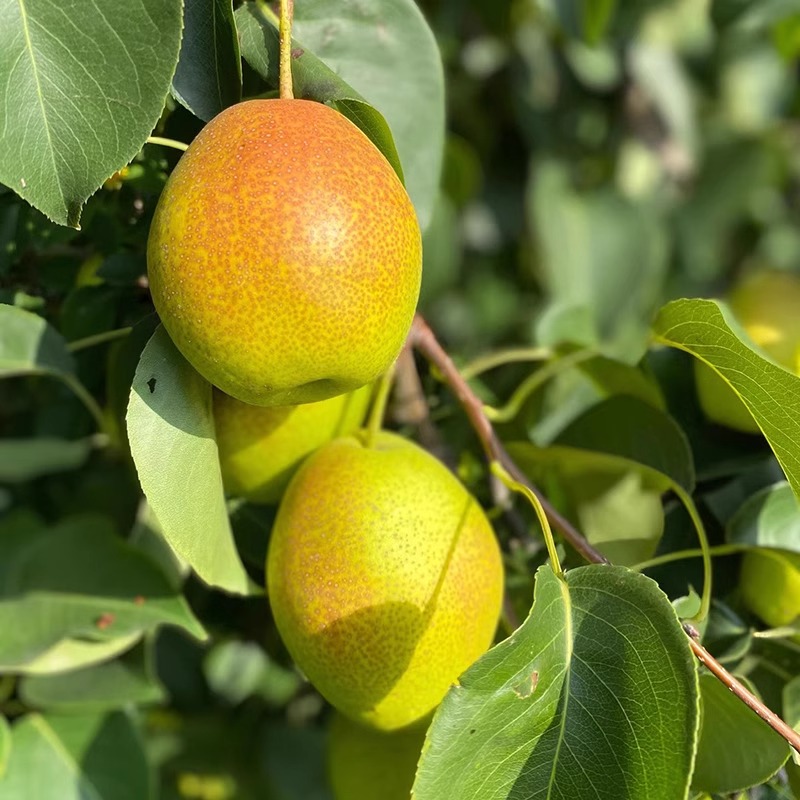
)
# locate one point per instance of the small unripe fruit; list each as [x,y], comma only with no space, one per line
[767,305]
[365,764]
[261,448]
[770,582]
[284,255]
[384,576]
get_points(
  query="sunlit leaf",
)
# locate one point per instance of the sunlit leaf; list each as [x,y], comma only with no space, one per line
[171,434]
[594,696]
[82,87]
[706,329]
[75,758]
[769,518]
[51,591]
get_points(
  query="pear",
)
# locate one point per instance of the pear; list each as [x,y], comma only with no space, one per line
[284,255]
[767,305]
[384,576]
[365,764]
[770,582]
[260,448]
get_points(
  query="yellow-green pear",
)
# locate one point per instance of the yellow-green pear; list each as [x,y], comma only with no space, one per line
[285,255]
[767,305]
[384,576]
[770,585]
[260,448]
[368,764]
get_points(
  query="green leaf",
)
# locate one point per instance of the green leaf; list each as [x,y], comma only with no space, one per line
[102,687]
[171,434]
[69,653]
[311,78]
[29,346]
[707,330]
[598,459]
[209,74]
[769,518]
[594,696]
[600,252]
[791,704]
[596,16]
[50,591]
[627,428]
[616,377]
[24,459]
[87,757]
[736,749]
[5,745]
[82,87]
[387,52]
[235,670]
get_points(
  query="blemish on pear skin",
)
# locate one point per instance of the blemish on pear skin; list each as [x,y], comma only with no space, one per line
[527,687]
[151,385]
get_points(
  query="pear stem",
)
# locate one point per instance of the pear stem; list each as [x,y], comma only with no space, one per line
[378,410]
[423,338]
[173,143]
[285,35]
[98,338]
[498,470]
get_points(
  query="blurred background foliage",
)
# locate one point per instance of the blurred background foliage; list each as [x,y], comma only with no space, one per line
[602,157]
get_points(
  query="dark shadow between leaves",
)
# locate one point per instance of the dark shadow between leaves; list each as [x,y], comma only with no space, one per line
[112,759]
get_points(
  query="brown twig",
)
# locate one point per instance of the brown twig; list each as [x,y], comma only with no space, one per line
[409,405]
[744,694]
[423,338]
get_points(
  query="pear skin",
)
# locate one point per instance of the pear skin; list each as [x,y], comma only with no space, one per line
[285,255]
[384,576]
[260,448]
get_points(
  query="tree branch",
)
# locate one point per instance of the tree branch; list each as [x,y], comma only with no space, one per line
[423,339]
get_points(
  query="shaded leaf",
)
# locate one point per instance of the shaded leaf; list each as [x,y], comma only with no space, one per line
[594,696]
[707,330]
[616,377]
[5,745]
[29,346]
[76,758]
[236,670]
[595,457]
[769,518]
[171,435]
[627,428]
[24,459]
[598,252]
[370,45]
[82,87]
[208,78]
[736,749]
[50,590]
[102,687]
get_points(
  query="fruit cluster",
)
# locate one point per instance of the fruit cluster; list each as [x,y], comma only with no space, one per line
[284,260]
